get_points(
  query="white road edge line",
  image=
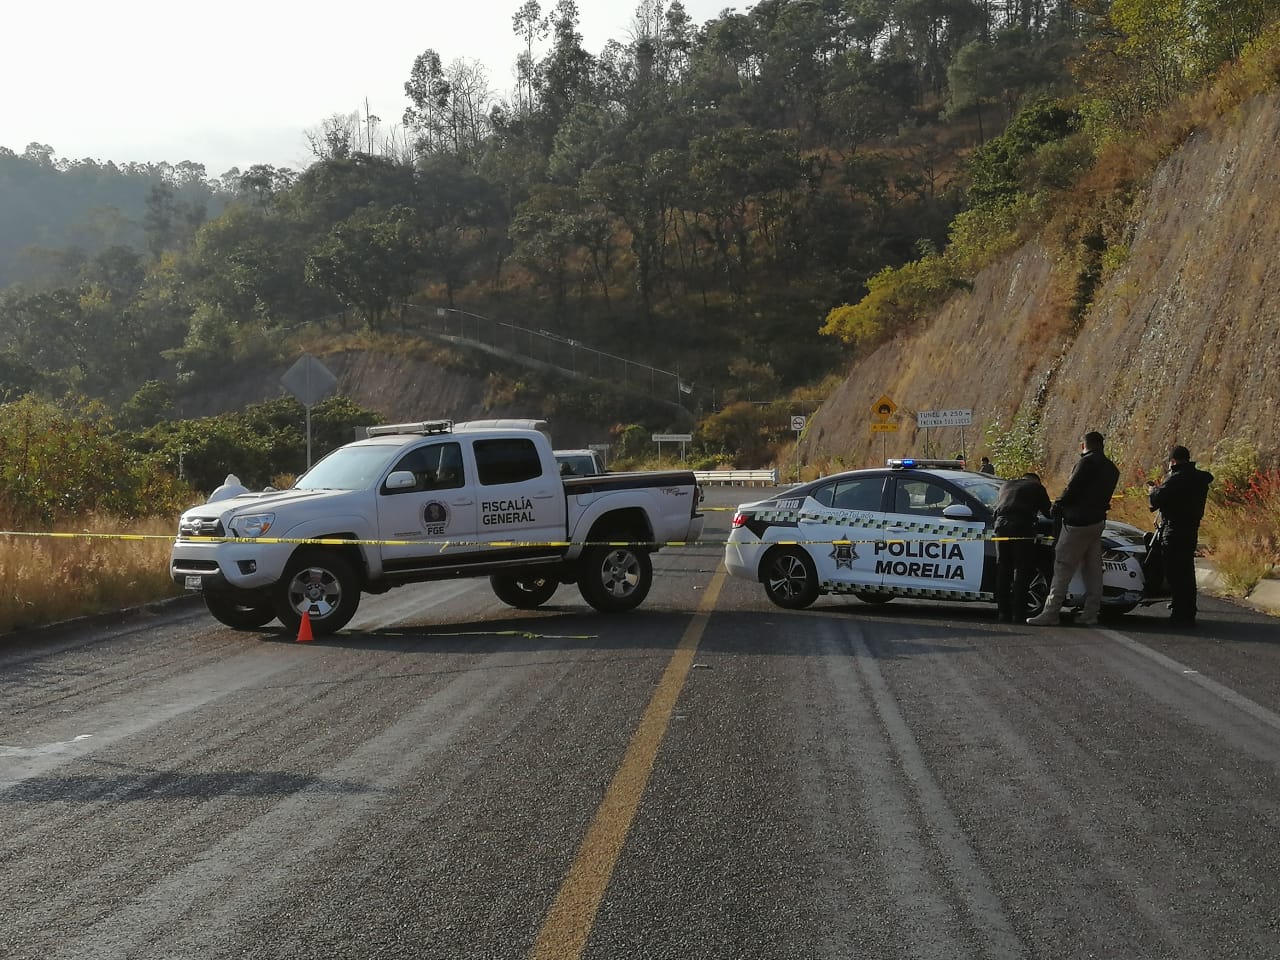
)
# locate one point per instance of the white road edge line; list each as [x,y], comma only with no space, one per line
[1225,693]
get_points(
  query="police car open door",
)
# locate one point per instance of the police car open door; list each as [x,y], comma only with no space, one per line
[839,525]
[925,553]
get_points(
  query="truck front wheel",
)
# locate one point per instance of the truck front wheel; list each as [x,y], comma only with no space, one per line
[321,584]
[240,613]
[614,579]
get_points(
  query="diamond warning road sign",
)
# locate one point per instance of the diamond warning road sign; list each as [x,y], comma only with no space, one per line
[883,409]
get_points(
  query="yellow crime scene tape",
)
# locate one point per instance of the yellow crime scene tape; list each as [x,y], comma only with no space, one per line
[446,544]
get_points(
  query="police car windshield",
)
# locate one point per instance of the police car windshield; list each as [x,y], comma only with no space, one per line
[985,488]
[347,468]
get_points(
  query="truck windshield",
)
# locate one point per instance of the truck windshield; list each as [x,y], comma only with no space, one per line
[348,468]
[576,465]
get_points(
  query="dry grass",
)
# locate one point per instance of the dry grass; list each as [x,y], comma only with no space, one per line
[44,579]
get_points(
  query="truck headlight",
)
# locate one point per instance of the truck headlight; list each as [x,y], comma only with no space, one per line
[254,525]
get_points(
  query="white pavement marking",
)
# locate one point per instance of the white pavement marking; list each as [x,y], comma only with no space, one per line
[43,749]
[380,612]
[119,719]
[1224,693]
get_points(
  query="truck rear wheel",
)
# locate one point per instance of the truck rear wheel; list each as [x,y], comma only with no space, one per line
[324,586]
[615,579]
[523,591]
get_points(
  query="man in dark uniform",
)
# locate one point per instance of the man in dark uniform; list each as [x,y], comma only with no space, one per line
[1083,510]
[1020,504]
[1180,500]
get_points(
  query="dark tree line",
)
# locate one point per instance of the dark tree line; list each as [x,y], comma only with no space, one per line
[694,196]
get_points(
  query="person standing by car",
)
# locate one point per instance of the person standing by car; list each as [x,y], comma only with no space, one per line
[987,467]
[1082,508]
[1018,509]
[1180,498]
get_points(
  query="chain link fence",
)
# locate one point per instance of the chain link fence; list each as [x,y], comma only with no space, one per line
[541,346]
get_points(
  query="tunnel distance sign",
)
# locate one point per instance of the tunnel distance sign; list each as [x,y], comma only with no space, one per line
[944,418]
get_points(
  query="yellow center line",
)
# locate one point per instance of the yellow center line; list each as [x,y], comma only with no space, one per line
[569,921]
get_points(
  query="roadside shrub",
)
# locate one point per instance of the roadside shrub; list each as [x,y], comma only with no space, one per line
[1234,464]
[982,233]
[1017,448]
[58,465]
[263,441]
[895,297]
[742,432]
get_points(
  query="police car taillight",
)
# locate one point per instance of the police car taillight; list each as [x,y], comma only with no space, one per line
[739,519]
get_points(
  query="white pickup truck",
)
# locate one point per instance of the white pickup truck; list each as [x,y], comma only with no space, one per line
[431,501]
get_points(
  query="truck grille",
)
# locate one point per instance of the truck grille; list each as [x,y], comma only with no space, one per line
[200,527]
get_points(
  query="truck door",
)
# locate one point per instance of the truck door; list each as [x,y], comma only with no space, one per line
[924,553]
[521,504]
[439,508]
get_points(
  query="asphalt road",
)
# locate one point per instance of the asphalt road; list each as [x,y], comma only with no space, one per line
[706,777]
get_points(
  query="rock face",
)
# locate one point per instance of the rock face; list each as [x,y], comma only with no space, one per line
[1178,346]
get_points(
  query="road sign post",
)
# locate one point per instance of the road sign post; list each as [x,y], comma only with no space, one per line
[798,424]
[310,381]
[680,438]
[928,419]
[881,411]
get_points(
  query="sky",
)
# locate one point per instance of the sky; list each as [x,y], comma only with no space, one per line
[235,83]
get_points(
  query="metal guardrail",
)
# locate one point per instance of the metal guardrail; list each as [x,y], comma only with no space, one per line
[741,478]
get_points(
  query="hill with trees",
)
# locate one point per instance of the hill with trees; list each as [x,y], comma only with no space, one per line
[756,201]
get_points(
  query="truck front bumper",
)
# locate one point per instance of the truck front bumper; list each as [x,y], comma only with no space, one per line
[227,566]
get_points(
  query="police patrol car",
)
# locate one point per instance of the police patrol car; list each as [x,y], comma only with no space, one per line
[914,528]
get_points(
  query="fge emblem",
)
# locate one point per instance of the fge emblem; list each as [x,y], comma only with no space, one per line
[435,518]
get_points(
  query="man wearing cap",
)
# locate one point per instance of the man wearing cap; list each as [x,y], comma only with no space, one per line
[1083,510]
[1180,499]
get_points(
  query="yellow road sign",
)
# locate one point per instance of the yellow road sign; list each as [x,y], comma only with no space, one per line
[883,409]
[884,428]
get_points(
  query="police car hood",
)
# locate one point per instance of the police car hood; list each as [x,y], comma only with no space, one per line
[1124,534]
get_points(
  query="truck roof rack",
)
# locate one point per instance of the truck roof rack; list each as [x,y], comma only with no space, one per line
[423,427]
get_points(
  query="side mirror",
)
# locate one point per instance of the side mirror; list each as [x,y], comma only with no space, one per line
[401,480]
[958,511]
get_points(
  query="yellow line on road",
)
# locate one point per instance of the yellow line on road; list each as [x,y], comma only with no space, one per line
[569,921]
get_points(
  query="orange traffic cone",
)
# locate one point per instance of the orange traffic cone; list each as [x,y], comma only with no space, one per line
[304,628]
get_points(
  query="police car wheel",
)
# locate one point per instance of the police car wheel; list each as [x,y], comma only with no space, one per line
[1037,595]
[524,592]
[872,596]
[789,578]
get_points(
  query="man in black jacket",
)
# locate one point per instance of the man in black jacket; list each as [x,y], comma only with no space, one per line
[1083,510]
[1180,500]
[1018,509]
